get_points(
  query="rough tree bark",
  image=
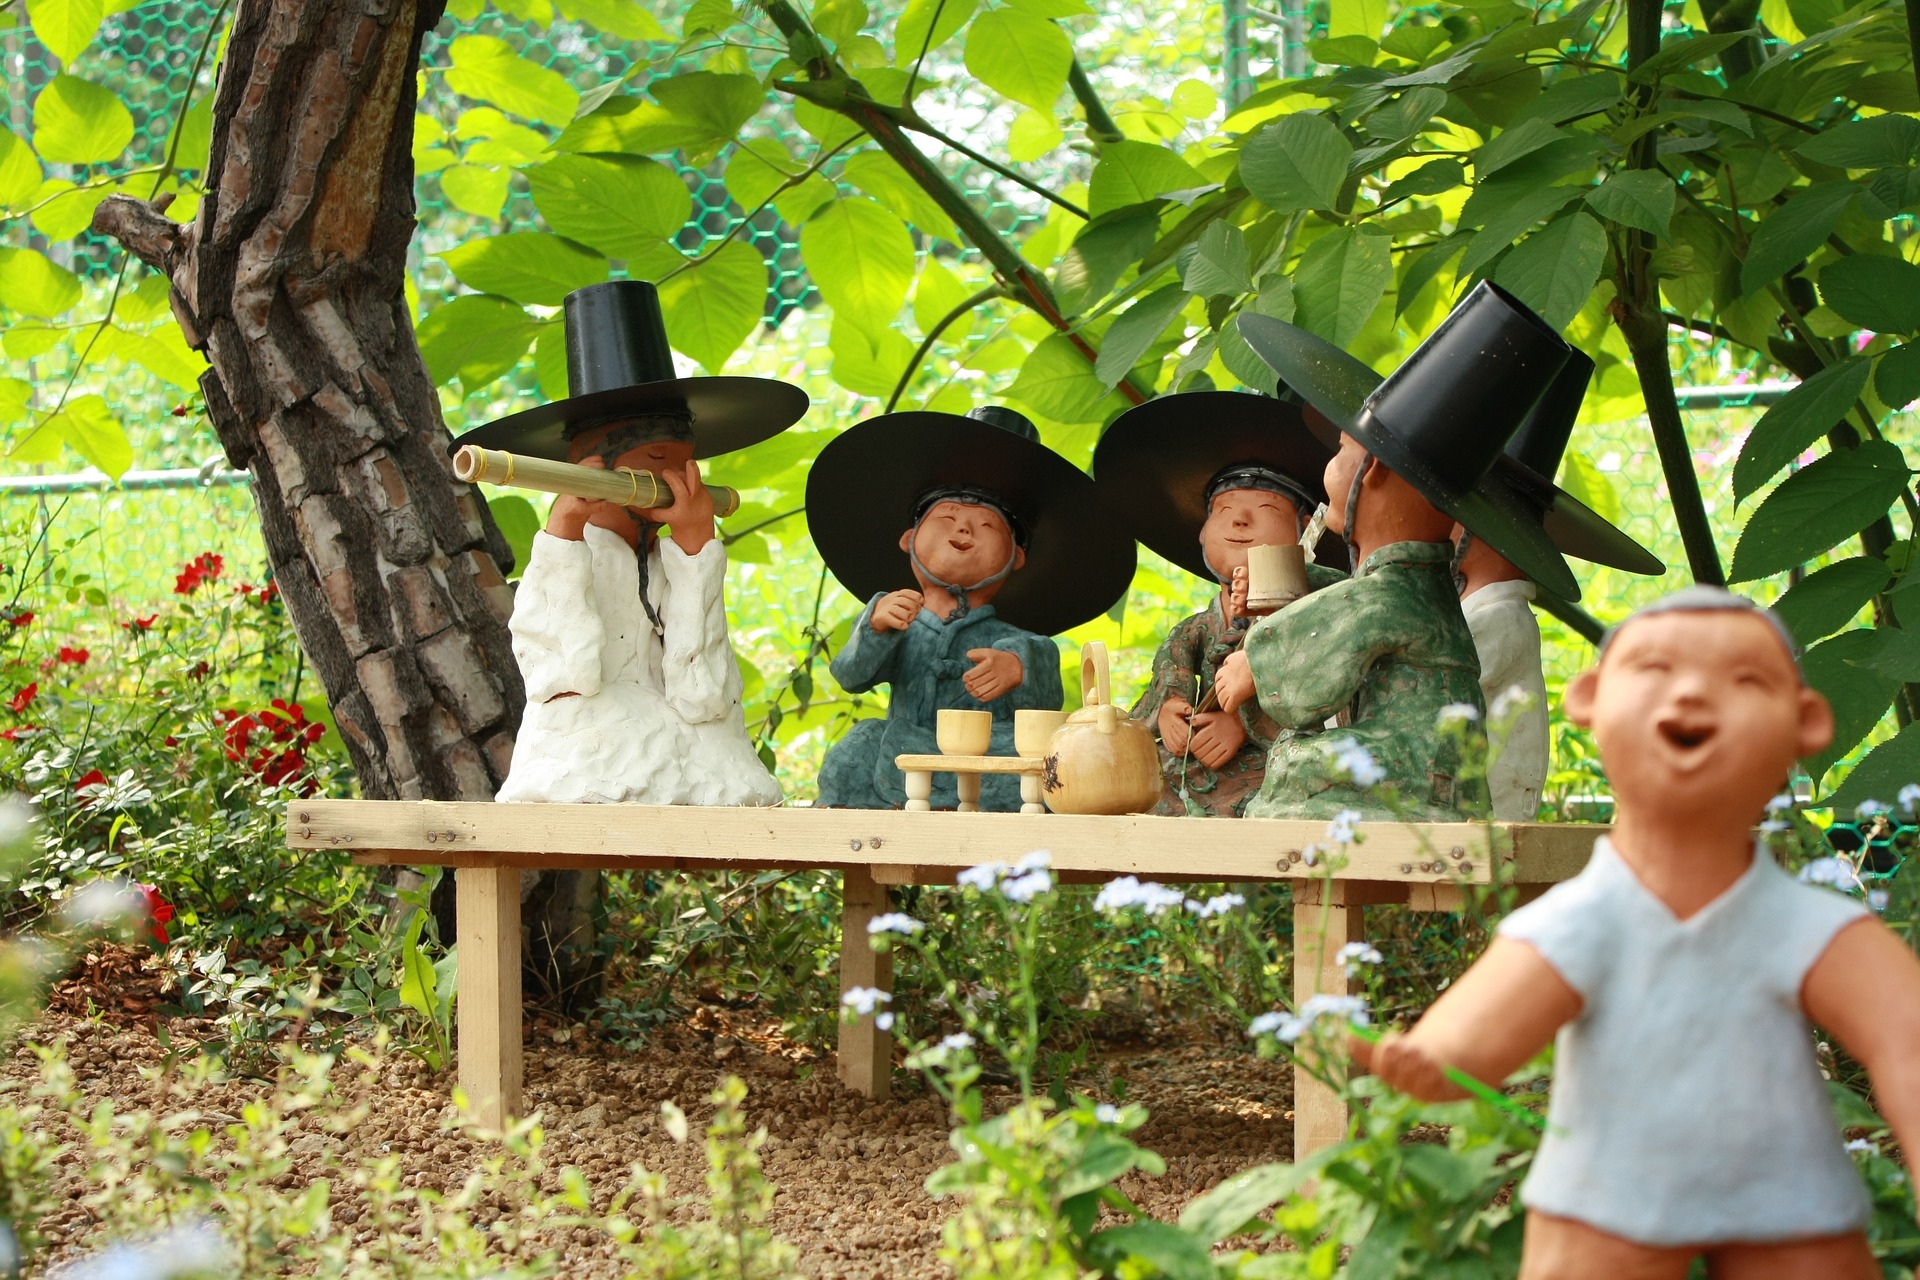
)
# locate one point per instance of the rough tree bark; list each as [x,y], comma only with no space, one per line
[291,280]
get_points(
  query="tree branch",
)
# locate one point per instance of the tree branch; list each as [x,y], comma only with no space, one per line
[1100,126]
[987,294]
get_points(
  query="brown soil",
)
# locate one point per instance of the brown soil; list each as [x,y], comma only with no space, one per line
[850,1172]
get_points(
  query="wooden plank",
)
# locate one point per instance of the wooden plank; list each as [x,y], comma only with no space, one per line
[866,1052]
[1320,928]
[430,832]
[970,764]
[488,902]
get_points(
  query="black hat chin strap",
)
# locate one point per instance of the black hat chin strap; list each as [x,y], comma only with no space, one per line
[959,593]
[1458,565]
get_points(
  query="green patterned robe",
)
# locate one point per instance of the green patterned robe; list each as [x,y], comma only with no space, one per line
[1389,648]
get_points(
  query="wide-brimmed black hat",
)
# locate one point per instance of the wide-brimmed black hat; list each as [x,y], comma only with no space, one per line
[865,490]
[1530,461]
[1442,420]
[619,366]
[1157,462]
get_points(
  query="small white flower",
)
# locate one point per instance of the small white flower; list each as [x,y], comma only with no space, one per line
[1107,1113]
[894,922]
[1862,1146]
[1837,872]
[982,877]
[1025,888]
[864,1000]
[1357,955]
[1868,810]
[103,901]
[1782,802]
[1877,899]
[1131,891]
[1511,701]
[884,1021]
[1898,1177]
[1774,826]
[1218,905]
[1357,763]
[1268,1023]
[1910,797]
[1034,861]
[1457,713]
[957,1041]
[1341,829]
[1351,1009]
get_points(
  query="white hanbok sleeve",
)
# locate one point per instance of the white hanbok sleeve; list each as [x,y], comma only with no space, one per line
[702,677]
[557,632]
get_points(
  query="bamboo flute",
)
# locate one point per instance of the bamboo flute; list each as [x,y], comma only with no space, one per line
[638,489]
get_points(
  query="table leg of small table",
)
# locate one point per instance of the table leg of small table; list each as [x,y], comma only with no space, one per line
[487,900]
[866,1052]
[1030,801]
[968,787]
[1320,929]
[919,783]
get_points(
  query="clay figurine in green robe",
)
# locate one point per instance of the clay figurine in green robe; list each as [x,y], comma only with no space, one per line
[1201,478]
[1004,542]
[1387,655]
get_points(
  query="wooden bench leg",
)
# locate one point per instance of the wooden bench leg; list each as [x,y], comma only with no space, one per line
[919,787]
[967,787]
[1320,929]
[488,902]
[866,1052]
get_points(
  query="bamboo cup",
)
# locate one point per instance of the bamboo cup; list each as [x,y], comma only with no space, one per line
[1033,730]
[1276,576]
[963,733]
[639,489]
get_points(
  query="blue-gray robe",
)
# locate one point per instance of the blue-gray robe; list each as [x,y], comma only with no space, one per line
[924,665]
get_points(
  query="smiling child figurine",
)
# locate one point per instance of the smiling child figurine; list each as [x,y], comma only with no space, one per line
[1006,543]
[1680,972]
[1202,478]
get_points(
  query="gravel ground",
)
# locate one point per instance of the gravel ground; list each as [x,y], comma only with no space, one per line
[850,1172]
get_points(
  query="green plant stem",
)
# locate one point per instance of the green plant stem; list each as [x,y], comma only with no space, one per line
[985,295]
[1100,126]
[733,536]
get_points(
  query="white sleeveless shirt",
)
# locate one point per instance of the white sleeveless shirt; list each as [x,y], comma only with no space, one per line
[1687,1107]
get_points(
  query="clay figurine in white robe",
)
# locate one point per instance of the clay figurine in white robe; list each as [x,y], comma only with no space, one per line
[1495,598]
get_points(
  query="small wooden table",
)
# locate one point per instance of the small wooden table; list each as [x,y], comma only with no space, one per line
[1427,866]
[967,772]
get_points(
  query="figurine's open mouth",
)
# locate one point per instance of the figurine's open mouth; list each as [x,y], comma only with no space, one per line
[1686,735]
[960,544]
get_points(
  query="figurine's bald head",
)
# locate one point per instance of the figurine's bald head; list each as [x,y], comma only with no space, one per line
[1701,599]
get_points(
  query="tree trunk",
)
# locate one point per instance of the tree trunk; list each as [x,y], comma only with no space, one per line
[291,280]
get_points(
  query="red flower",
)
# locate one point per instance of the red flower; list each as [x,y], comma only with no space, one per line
[18,732]
[78,657]
[199,670]
[202,569]
[179,411]
[20,619]
[272,744]
[19,701]
[159,912]
[91,778]
[142,624]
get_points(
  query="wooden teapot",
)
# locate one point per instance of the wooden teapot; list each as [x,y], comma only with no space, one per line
[1100,761]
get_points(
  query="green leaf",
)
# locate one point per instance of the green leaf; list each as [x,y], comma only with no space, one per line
[1024,57]
[717,105]
[1886,770]
[875,173]
[474,338]
[1297,162]
[624,19]
[1450,1176]
[476,189]
[865,363]
[1137,329]
[1828,599]
[1898,376]
[1801,417]
[1590,485]
[1793,231]
[33,285]
[1638,198]
[925,25]
[757,168]
[1233,1204]
[1340,280]
[1422,267]
[195,136]
[78,122]
[20,172]
[550,361]
[1882,142]
[1527,205]
[1356,18]
[65,27]
[1033,135]
[64,216]
[1684,51]
[1512,144]
[15,395]
[715,16]
[715,303]
[1170,1251]
[1430,179]
[1053,8]
[1840,668]
[1057,382]
[1819,506]
[1344,51]
[1217,262]
[1101,254]
[1131,173]
[1554,270]
[630,125]
[488,70]
[861,259]
[526,266]
[1874,292]
[87,426]
[624,206]
[417,979]
[518,522]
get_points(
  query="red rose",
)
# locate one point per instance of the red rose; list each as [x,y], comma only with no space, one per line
[159,912]
[19,701]
[20,619]
[202,569]
[142,624]
[19,731]
[91,778]
[78,657]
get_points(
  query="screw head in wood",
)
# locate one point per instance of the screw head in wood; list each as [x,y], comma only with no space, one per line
[1406,868]
[1466,868]
[855,844]
[875,842]
[1457,852]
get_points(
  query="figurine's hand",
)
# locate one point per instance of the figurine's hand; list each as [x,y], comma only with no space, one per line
[1174,729]
[995,673]
[896,611]
[1399,1062]
[690,518]
[1217,737]
[570,516]
[1233,683]
[1237,594]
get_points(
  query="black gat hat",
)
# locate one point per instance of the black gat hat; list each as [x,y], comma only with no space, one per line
[870,483]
